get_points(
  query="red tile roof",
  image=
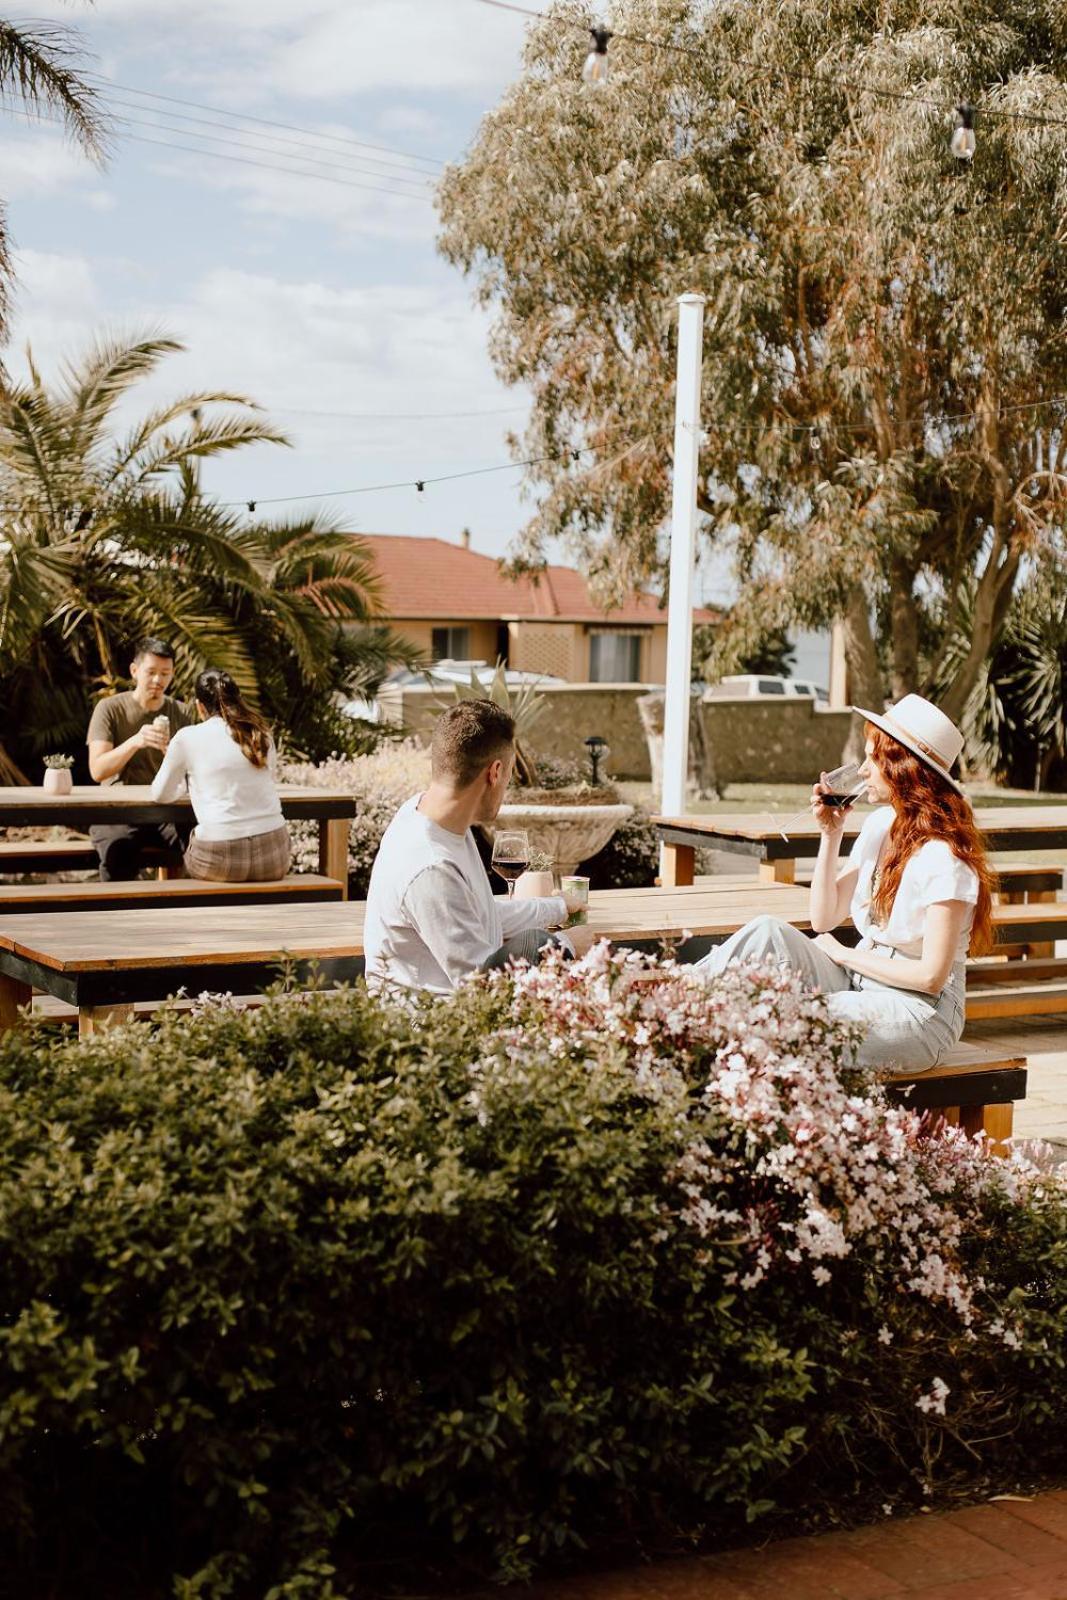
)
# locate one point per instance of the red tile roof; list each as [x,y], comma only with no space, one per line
[430,578]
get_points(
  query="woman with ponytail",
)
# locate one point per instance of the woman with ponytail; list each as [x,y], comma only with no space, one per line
[917,885]
[228,763]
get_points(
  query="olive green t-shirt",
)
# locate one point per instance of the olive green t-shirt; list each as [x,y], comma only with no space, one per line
[120,716]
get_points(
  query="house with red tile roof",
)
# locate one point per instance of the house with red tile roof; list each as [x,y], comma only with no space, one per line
[453,603]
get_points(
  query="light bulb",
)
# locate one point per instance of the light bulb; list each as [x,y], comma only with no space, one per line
[963,142]
[595,70]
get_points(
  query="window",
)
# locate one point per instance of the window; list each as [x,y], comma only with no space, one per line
[771,686]
[615,658]
[451,644]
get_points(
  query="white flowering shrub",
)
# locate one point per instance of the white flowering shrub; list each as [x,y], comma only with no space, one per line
[583,1256]
[381,782]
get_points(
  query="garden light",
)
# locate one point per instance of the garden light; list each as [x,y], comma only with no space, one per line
[598,749]
[595,70]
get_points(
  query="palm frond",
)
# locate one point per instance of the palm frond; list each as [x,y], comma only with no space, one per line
[97,383]
[187,405]
[206,439]
[36,65]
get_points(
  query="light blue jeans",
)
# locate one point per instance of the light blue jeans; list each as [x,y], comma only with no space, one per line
[905,1029]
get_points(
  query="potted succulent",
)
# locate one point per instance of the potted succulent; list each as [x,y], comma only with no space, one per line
[537,881]
[57,778]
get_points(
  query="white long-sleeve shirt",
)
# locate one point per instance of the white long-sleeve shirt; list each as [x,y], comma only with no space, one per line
[231,798]
[431,915]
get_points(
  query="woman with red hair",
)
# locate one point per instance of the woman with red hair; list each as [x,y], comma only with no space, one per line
[917,885]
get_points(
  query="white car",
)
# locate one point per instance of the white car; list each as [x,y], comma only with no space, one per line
[755,685]
[440,676]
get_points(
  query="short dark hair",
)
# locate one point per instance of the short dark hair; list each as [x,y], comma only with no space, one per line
[148,646]
[467,737]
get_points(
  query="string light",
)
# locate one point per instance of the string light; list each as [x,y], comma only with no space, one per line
[963,135]
[963,142]
[595,70]
[759,429]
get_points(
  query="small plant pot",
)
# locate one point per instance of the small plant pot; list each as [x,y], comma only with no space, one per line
[534,886]
[57,780]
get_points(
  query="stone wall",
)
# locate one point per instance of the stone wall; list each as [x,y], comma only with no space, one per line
[754,741]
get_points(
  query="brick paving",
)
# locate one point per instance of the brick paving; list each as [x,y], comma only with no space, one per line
[1013,1549]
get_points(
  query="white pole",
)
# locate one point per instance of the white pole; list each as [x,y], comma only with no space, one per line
[683,554]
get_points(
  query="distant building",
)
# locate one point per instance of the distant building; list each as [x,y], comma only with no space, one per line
[454,604]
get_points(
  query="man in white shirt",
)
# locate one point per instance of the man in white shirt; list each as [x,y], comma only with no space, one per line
[432,917]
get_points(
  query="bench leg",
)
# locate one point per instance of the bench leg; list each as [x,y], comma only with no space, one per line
[677,865]
[777,872]
[13,996]
[994,1121]
[97,1019]
[333,851]
[1044,951]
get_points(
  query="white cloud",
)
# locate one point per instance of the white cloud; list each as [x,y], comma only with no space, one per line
[40,159]
[322,48]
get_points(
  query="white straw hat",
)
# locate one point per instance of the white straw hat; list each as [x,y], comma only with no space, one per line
[924,730]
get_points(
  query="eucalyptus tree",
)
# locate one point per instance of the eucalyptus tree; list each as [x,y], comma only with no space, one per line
[39,77]
[883,317]
[106,535]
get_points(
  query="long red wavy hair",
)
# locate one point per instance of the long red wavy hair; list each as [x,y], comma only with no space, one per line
[927,808]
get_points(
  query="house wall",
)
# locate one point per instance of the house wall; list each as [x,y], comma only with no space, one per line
[483,635]
[768,741]
[554,648]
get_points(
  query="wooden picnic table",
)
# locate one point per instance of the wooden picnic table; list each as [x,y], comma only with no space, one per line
[759,834]
[89,804]
[103,962]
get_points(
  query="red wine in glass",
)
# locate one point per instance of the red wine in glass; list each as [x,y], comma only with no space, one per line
[510,871]
[511,856]
[839,800]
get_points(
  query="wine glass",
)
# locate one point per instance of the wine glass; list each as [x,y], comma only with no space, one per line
[842,788]
[511,856]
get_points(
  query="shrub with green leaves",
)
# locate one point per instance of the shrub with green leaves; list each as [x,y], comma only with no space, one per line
[569,1261]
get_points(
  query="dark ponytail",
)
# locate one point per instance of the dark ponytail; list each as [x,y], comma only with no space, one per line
[220,696]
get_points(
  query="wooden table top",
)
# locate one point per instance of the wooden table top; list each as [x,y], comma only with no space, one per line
[96,941]
[28,805]
[1001,825]
[178,937]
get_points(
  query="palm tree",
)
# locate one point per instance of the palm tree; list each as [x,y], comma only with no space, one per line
[105,537]
[36,69]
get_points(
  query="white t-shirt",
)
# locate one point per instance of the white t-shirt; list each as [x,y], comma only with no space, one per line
[232,799]
[431,915]
[933,874]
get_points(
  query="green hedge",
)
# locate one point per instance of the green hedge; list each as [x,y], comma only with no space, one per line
[326,1290]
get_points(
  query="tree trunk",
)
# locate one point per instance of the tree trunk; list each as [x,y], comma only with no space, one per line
[904,620]
[991,603]
[651,708]
[864,674]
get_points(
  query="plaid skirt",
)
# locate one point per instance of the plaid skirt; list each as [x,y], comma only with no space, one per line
[262,858]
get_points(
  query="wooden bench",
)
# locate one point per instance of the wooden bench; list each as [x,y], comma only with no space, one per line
[54,855]
[973,1088]
[35,857]
[24,898]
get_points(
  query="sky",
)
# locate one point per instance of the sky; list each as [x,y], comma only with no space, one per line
[290,246]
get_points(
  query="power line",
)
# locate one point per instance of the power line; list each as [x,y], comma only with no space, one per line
[420,184]
[265,122]
[246,161]
[360,163]
[398,416]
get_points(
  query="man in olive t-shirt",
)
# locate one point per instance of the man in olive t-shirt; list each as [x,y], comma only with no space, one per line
[125,746]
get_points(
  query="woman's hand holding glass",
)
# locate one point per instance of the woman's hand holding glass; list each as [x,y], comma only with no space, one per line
[834,795]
